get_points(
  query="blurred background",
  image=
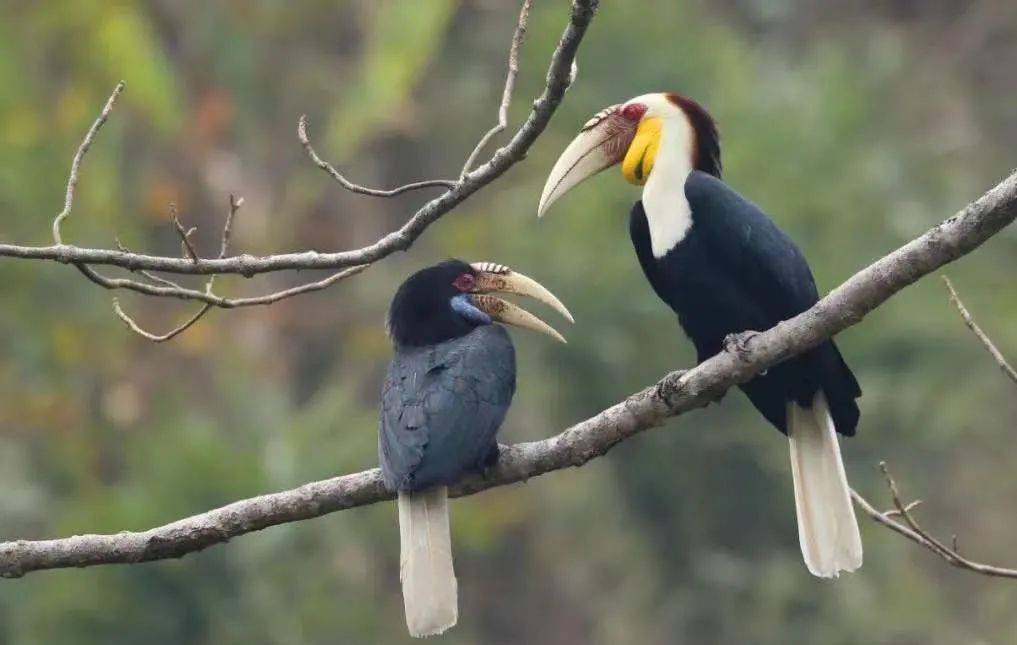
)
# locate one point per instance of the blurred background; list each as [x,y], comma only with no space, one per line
[857,125]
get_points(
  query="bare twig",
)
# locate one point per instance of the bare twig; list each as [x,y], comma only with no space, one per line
[910,507]
[309,287]
[911,529]
[212,298]
[185,235]
[86,143]
[982,336]
[158,338]
[908,518]
[346,263]
[329,169]
[510,84]
[673,395]
[227,230]
[208,296]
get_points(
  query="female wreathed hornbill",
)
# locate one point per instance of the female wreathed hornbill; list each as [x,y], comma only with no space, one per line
[445,395]
[724,267]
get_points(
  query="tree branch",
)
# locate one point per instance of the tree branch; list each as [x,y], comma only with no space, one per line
[158,338]
[982,336]
[510,84]
[673,395]
[910,527]
[558,79]
[86,143]
[341,179]
[168,288]
[224,245]
[914,532]
[209,297]
[345,264]
[185,235]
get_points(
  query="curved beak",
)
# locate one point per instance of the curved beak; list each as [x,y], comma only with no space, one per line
[497,278]
[600,144]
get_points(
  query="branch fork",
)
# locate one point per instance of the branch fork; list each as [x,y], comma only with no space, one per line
[343,264]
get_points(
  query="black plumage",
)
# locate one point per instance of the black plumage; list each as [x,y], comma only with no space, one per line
[735,271]
[725,268]
[441,408]
[448,387]
[444,398]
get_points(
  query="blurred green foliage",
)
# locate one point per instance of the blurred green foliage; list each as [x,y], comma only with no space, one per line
[856,126]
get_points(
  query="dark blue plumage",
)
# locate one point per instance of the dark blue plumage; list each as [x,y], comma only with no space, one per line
[442,406]
[444,398]
[736,271]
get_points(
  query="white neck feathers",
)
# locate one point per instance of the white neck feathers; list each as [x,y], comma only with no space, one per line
[667,209]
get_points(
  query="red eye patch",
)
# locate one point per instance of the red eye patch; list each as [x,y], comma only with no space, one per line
[633,111]
[464,282]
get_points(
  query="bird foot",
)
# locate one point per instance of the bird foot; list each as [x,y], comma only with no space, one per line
[670,386]
[490,461]
[738,344]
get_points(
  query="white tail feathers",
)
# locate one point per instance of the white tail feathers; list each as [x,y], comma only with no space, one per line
[425,564]
[827,528]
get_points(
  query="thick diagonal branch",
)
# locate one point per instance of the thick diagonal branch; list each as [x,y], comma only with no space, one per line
[675,394]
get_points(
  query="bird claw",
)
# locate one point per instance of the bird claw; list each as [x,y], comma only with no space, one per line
[490,461]
[670,386]
[738,344]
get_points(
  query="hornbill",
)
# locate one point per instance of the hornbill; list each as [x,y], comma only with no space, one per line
[725,268]
[445,395]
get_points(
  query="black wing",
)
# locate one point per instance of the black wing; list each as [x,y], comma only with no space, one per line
[773,272]
[776,277]
[736,271]
[442,406]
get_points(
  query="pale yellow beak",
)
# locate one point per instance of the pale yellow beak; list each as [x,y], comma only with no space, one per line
[600,144]
[496,278]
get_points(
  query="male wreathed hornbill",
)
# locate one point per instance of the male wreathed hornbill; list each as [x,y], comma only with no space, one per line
[724,267]
[445,395]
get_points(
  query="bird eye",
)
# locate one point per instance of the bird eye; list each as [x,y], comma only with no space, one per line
[464,282]
[633,111]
